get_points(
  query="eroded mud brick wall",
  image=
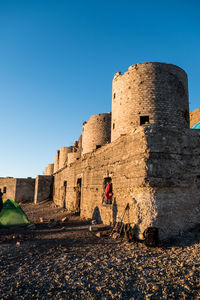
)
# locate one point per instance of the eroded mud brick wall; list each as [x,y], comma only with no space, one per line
[49,170]
[155,90]
[194,117]
[173,173]
[9,185]
[96,132]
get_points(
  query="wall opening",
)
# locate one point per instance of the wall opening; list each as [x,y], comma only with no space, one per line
[64,193]
[4,189]
[107,190]
[144,120]
[78,195]
[114,95]
[113,125]
[98,146]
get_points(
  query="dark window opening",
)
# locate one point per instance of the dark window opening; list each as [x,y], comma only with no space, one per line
[107,191]
[98,146]
[78,195]
[113,125]
[114,95]
[144,120]
[4,189]
[64,193]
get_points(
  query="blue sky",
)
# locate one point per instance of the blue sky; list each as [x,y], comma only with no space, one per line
[58,59]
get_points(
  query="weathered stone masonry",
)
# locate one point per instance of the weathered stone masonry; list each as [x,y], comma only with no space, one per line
[153,158]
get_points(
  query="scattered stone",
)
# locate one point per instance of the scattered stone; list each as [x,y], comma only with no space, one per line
[98,234]
[115,235]
[74,264]
[64,219]
[41,220]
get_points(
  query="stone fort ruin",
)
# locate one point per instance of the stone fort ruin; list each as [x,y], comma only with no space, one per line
[145,146]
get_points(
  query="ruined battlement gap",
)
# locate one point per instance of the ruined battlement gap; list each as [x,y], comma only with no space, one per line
[155,93]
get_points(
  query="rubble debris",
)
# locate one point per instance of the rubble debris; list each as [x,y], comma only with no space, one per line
[64,220]
[98,234]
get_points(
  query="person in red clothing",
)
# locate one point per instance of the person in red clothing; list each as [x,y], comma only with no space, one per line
[108,192]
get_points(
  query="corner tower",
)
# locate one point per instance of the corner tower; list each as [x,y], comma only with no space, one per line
[153,92]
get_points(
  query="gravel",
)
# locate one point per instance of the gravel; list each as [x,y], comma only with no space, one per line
[66,261]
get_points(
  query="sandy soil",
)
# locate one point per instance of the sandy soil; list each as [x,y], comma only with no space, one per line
[64,260]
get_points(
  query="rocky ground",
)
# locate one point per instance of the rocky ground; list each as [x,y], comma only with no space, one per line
[63,260]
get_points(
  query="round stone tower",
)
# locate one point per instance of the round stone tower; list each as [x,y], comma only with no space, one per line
[49,169]
[155,93]
[56,161]
[64,156]
[96,132]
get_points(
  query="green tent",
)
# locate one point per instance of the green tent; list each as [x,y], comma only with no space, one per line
[12,215]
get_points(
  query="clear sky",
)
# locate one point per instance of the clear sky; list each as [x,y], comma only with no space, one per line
[58,59]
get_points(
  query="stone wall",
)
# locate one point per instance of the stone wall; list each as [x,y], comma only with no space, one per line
[10,184]
[25,188]
[96,132]
[173,172]
[194,117]
[49,170]
[153,169]
[123,161]
[72,157]
[18,189]
[43,188]
[155,90]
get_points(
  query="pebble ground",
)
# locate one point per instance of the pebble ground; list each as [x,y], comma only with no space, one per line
[69,262]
